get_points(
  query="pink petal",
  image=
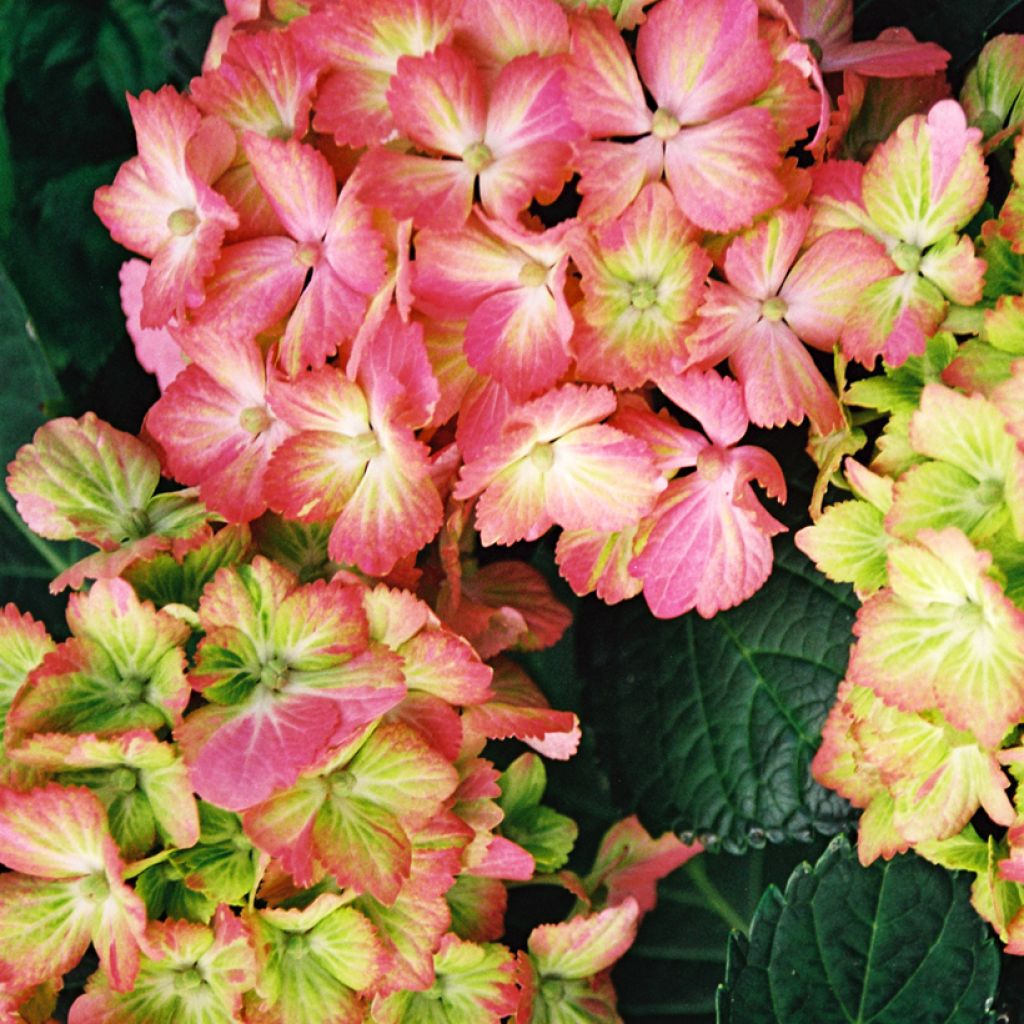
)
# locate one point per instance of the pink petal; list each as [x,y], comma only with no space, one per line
[781,382]
[439,101]
[721,173]
[297,180]
[702,59]
[432,193]
[603,89]
[155,348]
[612,174]
[704,552]
[715,401]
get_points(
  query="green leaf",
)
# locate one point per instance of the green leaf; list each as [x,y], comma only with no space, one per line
[29,384]
[670,974]
[130,49]
[708,726]
[888,944]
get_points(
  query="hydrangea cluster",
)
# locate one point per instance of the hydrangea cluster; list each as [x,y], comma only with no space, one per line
[419,278]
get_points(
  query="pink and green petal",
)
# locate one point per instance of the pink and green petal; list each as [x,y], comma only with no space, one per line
[474,984]
[970,433]
[630,862]
[991,93]
[722,173]
[603,89]
[642,277]
[313,962]
[46,929]
[595,561]
[124,669]
[952,266]
[411,928]
[893,318]
[824,284]
[944,636]
[82,478]
[599,465]
[849,544]
[194,975]
[264,83]
[703,60]
[23,645]
[53,832]
[928,179]
[585,945]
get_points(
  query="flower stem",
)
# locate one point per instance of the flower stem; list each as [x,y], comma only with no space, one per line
[714,899]
[138,866]
[47,551]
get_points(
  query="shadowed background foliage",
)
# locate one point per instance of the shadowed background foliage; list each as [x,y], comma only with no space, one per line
[65,66]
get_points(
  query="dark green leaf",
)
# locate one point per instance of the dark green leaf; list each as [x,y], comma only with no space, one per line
[670,974]
[130,50]
[29,384]
[709,726]
[888,944]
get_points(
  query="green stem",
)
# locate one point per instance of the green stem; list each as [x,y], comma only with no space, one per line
[138,866]
[715,900]
[54,560]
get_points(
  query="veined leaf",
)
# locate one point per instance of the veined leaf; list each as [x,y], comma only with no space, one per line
[708,726]
[892,943]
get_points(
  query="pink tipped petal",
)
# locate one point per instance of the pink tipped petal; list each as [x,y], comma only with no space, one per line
[495,32]
[929,178]
[781,382]
[722,173]
[264,83]
[601,479]
[432,193]
[702,59]
[439,101]
[757,262]
[826,281]
[612,173]
[528,107]
[603,89]
[717,402]
[297,180]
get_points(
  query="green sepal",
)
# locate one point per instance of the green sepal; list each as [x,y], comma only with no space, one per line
[546,834]
[899,388]
[162,888]
[223,867]
[167,580]
[849,545]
